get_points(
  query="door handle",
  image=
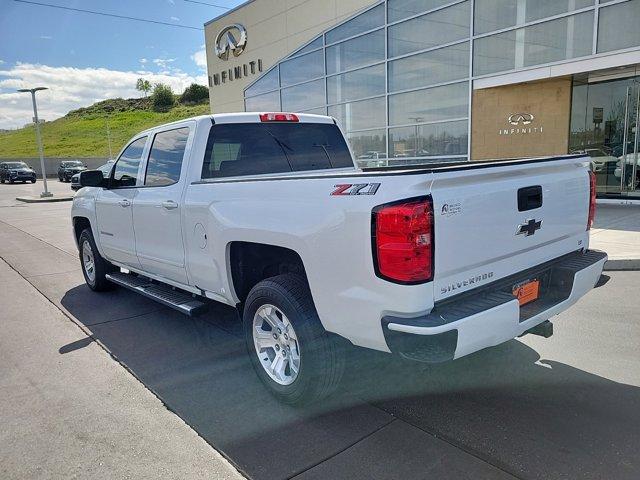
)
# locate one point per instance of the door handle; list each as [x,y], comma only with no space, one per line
[169,205]
[124,203]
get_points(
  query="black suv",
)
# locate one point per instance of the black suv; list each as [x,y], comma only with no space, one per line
[16,172]
[69,168]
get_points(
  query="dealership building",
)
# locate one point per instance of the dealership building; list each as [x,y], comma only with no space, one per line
[423,81]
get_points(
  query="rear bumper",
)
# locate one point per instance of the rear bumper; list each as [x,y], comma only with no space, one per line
[491,315]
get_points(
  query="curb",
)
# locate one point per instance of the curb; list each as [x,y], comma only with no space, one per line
[631,264]
[45,199]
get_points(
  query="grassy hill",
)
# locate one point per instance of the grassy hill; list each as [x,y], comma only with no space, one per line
[83,132]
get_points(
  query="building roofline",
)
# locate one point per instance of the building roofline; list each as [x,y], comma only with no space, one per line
[238,7]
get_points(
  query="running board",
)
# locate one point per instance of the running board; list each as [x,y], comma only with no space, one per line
[177,299]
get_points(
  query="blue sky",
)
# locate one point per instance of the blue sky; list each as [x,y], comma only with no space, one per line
[84,57]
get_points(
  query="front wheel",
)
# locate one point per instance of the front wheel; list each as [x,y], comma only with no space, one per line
[292,354]
[94,267]
[33,181]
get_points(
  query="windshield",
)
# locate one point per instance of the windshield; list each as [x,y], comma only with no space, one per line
[16,165]
[106,168]
[72,164]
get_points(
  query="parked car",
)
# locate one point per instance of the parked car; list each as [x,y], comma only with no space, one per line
[630,159]
[105,169]
[270,213]
[69,168]
[16,172]
[602,162]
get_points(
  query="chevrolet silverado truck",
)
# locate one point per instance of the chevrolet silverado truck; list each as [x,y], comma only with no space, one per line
[270,214]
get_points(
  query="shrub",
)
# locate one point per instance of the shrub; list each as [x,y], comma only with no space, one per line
[162,97]
[195,93]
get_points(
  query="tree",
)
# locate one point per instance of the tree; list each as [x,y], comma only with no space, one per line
[162,97]
[143,86]
[195,93]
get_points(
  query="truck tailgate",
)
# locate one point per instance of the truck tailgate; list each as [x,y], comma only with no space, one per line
[496,221]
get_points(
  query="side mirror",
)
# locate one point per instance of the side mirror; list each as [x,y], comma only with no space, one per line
[92,178]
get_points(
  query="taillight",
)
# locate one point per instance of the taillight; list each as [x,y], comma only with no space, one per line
[278,117]
[403,241]
[592,199]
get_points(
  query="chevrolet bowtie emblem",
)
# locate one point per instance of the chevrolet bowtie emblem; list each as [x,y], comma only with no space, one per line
[529,228]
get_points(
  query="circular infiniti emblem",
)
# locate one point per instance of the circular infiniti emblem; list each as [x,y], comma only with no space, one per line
[232,38]
[520,118]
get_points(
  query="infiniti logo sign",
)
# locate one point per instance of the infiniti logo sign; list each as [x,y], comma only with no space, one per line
[520,118]
[521,125]
[231,39]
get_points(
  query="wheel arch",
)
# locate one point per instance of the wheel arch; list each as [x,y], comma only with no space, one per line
[250,263]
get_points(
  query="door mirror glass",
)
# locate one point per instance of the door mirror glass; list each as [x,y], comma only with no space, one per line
[92,178]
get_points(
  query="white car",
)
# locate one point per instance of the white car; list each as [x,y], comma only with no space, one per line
[269,213]
[630,159]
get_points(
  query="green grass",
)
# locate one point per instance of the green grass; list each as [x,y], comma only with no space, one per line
[83,132]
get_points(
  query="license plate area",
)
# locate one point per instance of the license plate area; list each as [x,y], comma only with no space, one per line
[527,291]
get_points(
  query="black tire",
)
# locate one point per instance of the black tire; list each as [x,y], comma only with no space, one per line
[11,181]
[99,283]
[59,178]
[2,180]
[33,181]
[321,356]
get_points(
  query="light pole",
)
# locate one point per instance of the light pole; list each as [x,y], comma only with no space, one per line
[33,91]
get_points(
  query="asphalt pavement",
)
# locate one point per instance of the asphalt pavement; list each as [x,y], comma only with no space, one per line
[533,408]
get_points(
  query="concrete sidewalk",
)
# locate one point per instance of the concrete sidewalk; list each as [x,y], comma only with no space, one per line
[617,232]
[68,410]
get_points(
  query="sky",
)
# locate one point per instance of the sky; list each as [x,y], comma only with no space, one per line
[83,58]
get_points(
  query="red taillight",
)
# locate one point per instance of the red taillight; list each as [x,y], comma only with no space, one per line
[403,241]
[592,199]
[278,117]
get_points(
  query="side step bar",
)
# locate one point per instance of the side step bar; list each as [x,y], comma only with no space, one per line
[177,299]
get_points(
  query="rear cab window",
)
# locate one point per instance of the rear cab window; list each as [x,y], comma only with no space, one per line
[263,148]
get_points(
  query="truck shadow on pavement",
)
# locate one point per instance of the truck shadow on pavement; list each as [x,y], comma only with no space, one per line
[391,419]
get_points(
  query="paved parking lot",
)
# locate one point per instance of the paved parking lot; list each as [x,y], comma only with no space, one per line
[565,407]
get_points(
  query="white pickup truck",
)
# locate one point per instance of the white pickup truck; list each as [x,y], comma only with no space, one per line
[269,213]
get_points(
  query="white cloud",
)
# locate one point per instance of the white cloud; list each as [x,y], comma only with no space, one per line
[175,19]
[46,37]
[200,58]
[163,62]
[71,88]
[143,60]
[1,62]
[171,2]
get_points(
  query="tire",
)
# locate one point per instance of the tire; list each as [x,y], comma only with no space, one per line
[286,300]
[96,277]
[33,181]
[59,178]
[2,180]
[11,181]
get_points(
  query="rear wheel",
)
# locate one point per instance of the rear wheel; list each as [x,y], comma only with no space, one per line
[292,354]
[94,267]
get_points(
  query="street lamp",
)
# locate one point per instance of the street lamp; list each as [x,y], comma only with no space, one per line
[33,91]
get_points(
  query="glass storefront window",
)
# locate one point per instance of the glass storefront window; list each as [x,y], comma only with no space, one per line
[269,81]
[399,9]
[365,21]
[268,102]
[436,28]
[302,68]
[360,115]
[429,68]
[303,97]
[493,15]
[560,39]
[356,52]
[437,139]
[619,26]
[367,82]
[369,147]
[314,45]
[433,104]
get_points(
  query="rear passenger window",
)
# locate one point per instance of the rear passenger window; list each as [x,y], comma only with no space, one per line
[263,148]
[165,158]
[125,171]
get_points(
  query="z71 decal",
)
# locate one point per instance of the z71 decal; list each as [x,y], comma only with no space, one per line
[356,189]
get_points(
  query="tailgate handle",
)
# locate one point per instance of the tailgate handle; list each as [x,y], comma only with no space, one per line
[529,198]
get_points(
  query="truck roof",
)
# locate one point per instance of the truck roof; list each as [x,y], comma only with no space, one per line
[244,117]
